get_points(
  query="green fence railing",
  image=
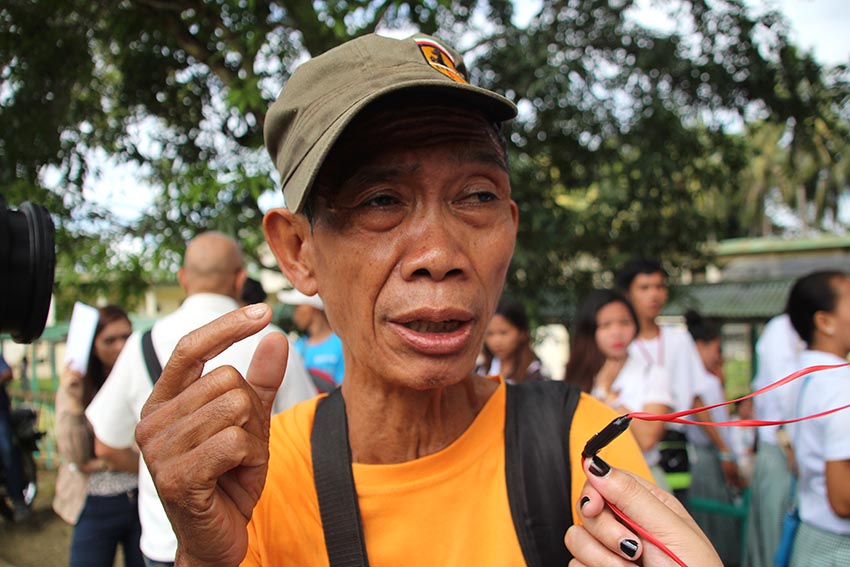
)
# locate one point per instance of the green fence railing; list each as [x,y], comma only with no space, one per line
[43,403]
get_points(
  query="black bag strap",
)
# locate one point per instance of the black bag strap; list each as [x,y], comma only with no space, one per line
[538,416]
[151,360]
[537,469]
[334,482]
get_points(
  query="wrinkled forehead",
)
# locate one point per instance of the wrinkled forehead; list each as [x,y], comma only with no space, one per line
[393,125]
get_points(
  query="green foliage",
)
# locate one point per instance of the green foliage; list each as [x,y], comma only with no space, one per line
[623,145]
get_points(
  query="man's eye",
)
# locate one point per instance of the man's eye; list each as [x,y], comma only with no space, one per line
[382,200]
[481,197]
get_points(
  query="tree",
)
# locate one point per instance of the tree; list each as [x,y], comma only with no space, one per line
[816,116]
[799,155]
[180,87]
[622,145]
[627,142]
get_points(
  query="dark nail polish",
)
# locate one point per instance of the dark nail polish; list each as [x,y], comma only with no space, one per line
[598,467]
[629,547]
[584,500]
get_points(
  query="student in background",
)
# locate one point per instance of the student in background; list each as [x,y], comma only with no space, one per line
[778,353]
[508,342]
[714,474]
[97,497]
[644,283]
[600,363]
[819,308]
[743,439]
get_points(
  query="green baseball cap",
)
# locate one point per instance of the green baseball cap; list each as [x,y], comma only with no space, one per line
[324,95]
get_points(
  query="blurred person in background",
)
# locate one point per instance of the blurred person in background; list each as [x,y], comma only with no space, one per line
[507,346]
[25,380]
[714,474]
[321,348]
[8,455]
[644,283]
[778,351]
[212,276]
[252,292]
[819,308]
[97,497]
[600,363]
[743,439]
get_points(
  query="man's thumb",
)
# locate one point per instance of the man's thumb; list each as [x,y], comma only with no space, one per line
[268,366]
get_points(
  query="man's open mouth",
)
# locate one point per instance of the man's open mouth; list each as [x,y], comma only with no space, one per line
[433,326]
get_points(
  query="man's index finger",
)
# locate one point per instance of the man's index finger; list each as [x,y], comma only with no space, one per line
[186,363]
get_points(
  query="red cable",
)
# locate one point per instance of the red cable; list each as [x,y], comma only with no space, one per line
[642,532]
[646,535]
[735,423]
[676,417]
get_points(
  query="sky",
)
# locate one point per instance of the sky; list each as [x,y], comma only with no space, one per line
[820,26]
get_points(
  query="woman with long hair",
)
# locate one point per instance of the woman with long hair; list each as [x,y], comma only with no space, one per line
[600,364]
[99,500]
[507,346]
[819,308]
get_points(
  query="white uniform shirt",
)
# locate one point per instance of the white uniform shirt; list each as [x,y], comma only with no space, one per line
[823,439]
[778,350]
[117,407]
[674,351]
[638,384]
[711,392]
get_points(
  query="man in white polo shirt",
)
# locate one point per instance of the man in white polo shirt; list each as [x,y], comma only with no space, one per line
[212,276]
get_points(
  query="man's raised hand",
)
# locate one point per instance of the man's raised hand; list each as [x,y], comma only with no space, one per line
[205,438]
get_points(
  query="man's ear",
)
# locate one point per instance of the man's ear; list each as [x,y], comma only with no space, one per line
[825,322]
[290,239]
[181,278]
[239,282]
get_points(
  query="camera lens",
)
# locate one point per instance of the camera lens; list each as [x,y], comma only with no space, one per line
[27,263]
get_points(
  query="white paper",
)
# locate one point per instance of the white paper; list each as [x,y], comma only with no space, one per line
[80,336]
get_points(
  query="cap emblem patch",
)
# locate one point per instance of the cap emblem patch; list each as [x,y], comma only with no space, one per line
[439,58]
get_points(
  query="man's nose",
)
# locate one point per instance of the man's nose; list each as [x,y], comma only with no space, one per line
[436,250]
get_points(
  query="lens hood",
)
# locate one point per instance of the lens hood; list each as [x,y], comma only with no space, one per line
[27,264]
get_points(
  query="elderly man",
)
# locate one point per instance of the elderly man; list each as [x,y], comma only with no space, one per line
[212,276]
[399,214]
